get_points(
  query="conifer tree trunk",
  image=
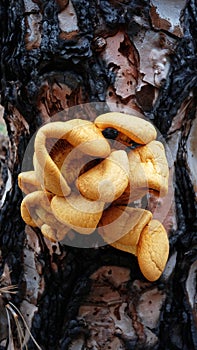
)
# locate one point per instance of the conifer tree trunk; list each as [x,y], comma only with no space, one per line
[126,56]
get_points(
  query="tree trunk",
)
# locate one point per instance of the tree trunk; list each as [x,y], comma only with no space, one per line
[100,55]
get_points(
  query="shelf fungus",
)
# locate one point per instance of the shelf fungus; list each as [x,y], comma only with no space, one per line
[131,129]
[77,133]
[149,168]
[36,212]
[107,180]
[87,174]
[126,224]
[77,212]
[135,232]
[28,182]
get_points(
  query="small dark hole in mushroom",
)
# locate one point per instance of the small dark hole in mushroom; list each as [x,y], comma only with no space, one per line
[110,133]
[109,272]
[134,145]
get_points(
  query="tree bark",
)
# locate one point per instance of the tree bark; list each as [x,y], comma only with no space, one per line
[101,55]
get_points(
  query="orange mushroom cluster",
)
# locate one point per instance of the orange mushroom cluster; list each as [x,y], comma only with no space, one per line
[83,181]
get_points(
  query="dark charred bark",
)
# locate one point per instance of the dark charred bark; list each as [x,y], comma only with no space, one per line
[97,298]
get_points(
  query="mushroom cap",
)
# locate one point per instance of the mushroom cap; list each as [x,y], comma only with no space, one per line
[107,180]
[28,182]
[49,175]
[32,202]
[77,212]
[36,211]
[149,168]
[69,161]
[89,138]
[78,133]
[137,129]
[121,226]
[153,250]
